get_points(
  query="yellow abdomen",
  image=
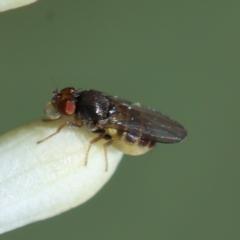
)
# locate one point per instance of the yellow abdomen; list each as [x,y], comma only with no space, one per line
[129,143]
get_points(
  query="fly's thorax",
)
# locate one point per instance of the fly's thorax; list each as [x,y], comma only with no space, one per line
[129,143]
[92,106]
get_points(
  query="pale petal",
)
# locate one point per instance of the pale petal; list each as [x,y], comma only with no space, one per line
[38,181]
[11,4]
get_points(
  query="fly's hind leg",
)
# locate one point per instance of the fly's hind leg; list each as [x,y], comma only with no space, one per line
[71,124]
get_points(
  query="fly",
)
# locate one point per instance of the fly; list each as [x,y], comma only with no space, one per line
[130,127]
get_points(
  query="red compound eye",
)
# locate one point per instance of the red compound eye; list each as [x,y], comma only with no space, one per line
[66,107]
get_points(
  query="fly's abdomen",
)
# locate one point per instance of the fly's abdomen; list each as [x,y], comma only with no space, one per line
[129,143]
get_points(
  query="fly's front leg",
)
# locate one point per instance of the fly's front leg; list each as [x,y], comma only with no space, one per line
[71,124]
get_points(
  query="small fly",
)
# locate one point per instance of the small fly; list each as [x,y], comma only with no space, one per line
[130,127]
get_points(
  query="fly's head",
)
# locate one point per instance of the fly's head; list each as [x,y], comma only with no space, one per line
[63,103]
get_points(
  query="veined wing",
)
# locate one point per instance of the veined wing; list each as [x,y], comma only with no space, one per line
[144,122]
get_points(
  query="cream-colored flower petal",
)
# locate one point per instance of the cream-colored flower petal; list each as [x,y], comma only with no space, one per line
[11,4]
[38,181]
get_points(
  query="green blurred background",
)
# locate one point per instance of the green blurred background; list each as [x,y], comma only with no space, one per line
[180,57]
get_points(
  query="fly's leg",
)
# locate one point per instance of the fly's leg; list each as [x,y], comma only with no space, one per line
[100,137]
[107,144]
[71,124]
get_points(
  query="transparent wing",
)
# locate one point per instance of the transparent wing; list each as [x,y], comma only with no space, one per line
[144,122]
